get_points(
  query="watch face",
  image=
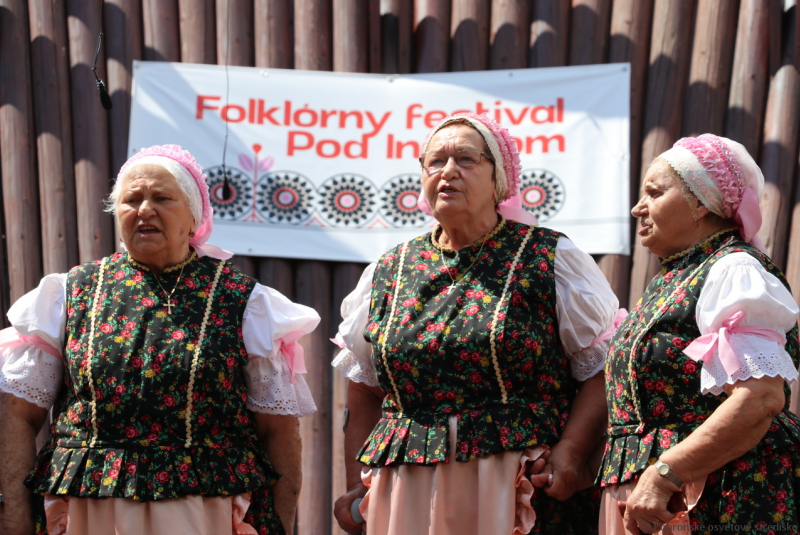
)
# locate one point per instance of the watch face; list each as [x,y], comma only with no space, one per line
[663,469]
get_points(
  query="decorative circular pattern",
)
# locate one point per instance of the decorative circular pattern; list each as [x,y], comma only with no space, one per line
[284,197]
[347,200]
[399,201]
[542,193]
[240,198]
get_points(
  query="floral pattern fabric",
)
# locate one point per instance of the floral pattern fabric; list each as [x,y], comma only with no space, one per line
[652,390]
[439,354]
[141,369]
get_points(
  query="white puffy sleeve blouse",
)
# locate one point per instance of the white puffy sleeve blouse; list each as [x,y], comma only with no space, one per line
[586,307]
[31,365]
[739,283]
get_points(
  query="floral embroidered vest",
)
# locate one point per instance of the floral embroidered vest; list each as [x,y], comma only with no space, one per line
[652,388]
[487,352]
[123,425]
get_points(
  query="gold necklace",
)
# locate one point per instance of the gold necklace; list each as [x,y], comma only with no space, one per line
[169,304]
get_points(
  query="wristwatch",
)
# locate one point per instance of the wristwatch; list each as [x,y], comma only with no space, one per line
[665,471]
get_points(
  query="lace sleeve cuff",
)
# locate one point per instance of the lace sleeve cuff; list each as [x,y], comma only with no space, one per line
[270,389]
[588,362]
[354,361]
[354,369]
[31,374]
[758,358]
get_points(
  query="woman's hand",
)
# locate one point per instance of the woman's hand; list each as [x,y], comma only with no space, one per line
[647,508]
[341,509]
[563,473]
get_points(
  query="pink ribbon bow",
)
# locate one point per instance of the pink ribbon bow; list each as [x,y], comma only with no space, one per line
[293,353]
[703,347]
[11,339]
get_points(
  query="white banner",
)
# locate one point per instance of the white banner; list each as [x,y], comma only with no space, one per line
[324,165]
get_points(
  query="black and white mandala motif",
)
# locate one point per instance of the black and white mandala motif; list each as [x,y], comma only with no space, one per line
[399,201]
[284,197]
[542,193]
[240,198]
[347,200]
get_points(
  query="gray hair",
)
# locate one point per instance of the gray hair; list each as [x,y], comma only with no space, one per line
[181,175]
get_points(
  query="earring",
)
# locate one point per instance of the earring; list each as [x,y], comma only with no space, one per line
[191,234]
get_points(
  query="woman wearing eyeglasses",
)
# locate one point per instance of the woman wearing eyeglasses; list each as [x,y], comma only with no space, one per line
[475,357]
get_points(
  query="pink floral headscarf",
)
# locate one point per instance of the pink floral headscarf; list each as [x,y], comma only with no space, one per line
[507,165]
[724,177]
[205,224]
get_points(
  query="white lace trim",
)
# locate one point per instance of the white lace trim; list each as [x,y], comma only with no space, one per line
[590,361]
[270,389]
[352,368]
[31,374]
[761,358]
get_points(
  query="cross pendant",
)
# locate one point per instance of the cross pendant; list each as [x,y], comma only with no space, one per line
[169,305]
[450,288]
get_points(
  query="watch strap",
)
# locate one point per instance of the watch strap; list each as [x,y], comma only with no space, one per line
[668,473]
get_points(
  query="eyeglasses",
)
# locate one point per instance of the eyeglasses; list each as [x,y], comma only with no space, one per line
[433,162]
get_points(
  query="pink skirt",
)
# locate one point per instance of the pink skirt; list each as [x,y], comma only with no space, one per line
[611,522]
[487,496]
[198,515]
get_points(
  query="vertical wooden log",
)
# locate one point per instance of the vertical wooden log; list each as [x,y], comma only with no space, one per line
[351,42]
[235,33]
[350,35]
[748,91]
[277,273]
[198,31]
[431,35]
[273,34]
[50,75]
[312,35]
[590,21]
[666,87]
[469,29]
[510,33]
[710,71]
[312,51]
[793,254]
[17,157]
[313,288]
[123,46]
[631,21]
[374,24]
[549,33]
[89,131]
[161,30]
[396,36]
[779,155]
[345,278]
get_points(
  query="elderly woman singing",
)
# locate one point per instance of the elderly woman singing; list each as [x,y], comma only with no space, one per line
[471,350]
[174,387]
[698,415]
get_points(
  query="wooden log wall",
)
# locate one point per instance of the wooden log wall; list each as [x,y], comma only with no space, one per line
[722,66]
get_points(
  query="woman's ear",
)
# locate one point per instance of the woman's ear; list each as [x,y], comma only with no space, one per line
[701,211]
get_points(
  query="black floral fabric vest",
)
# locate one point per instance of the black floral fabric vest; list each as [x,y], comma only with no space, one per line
[123,424]
[652,387]
[486,351]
